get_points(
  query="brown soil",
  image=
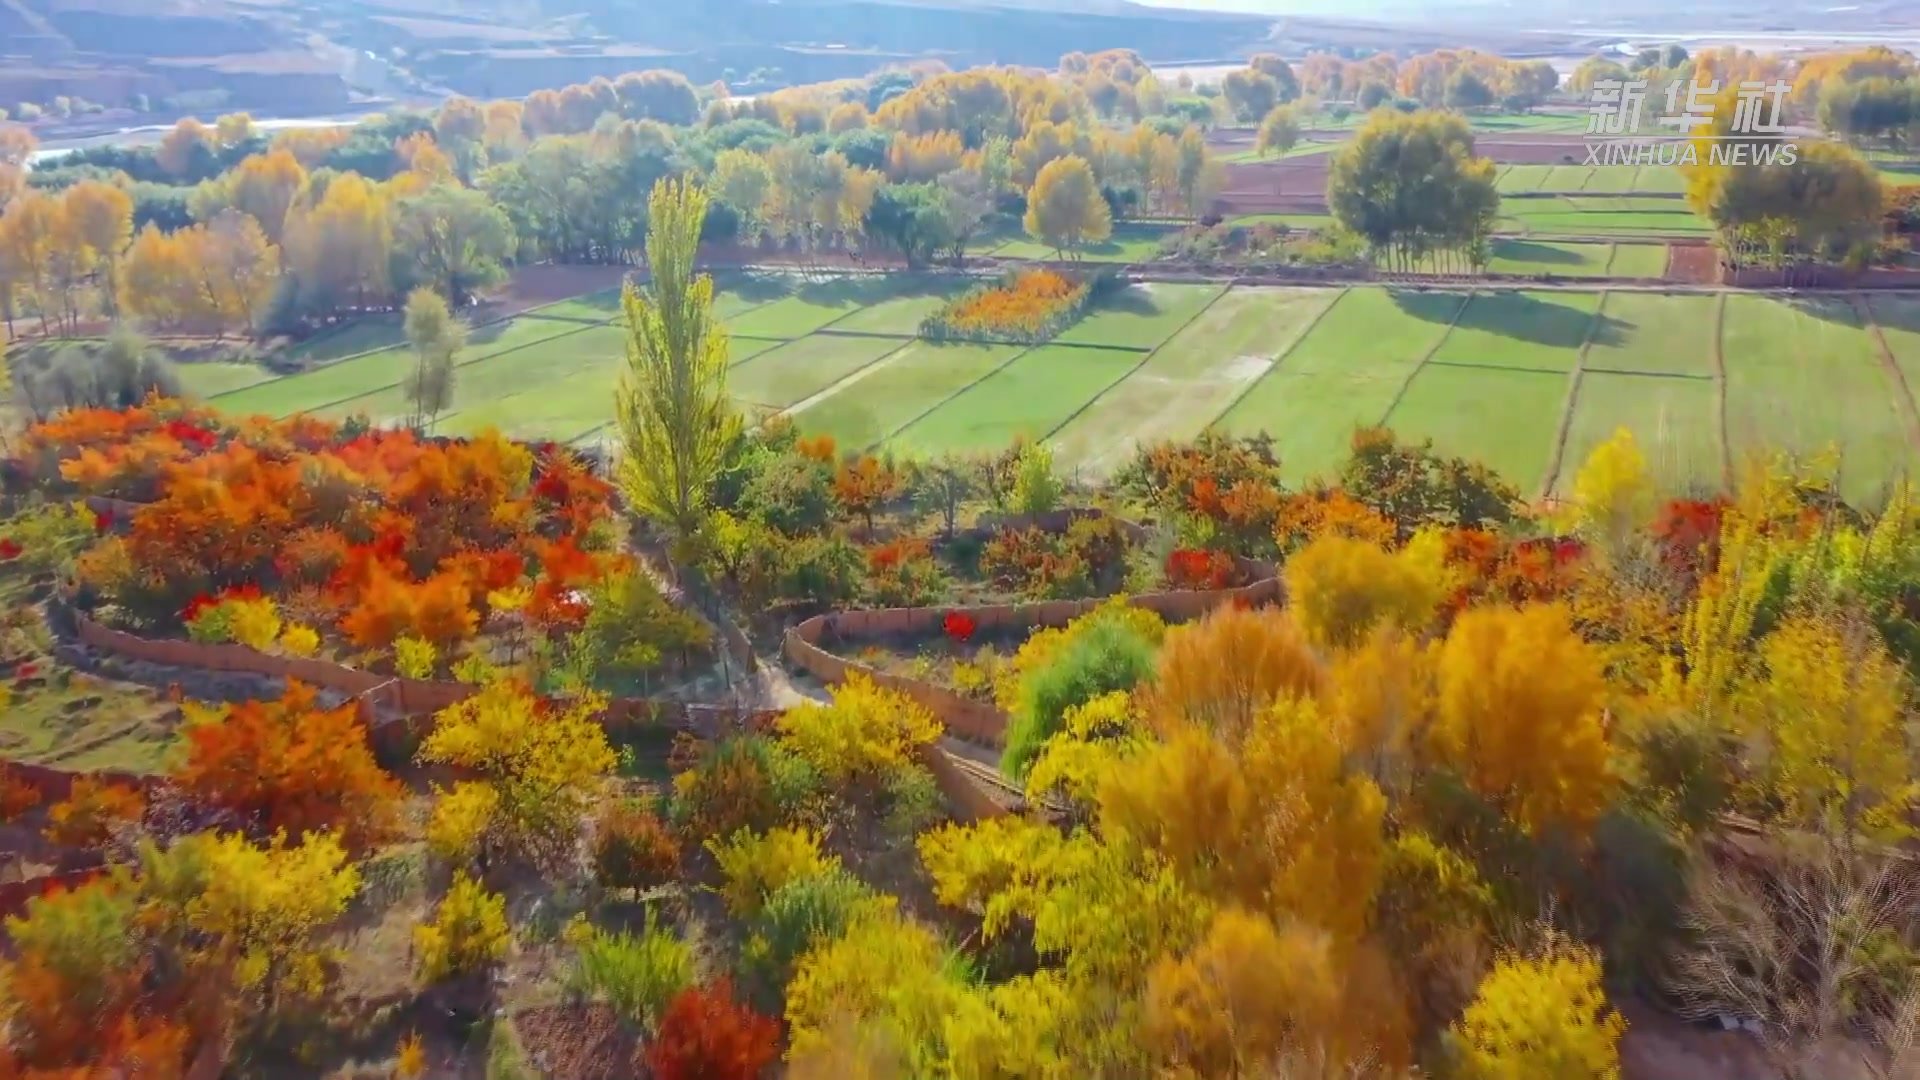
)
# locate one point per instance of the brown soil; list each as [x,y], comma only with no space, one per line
[577,1042]
[1659,1047]
[1693,264]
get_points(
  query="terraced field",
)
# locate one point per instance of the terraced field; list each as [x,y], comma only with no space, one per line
[1527,380]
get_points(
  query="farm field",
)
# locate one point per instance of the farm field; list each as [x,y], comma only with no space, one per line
[1500,375]
[1601,215]
[1591,179]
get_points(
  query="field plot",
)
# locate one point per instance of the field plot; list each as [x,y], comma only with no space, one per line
[1539,257]
[1899,320]
[1673,419]
[1194,376]
[784,376]
[1638,261]
[879,400]
[1029,397]
[1506,419]
[1597,215]
[1141,316]
[211,378]
[593,307]
[900,316]
[351,339]
[812,306]
[1806,376]
[1656,334]
[1536,331]
[596,351]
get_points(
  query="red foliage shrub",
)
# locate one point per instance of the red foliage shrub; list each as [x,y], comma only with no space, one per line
[10,549]
[92,810]
[705,1035]
[289,764]
[1198,568]
[959,626]
[16,796]
[1688,534]
[634,849]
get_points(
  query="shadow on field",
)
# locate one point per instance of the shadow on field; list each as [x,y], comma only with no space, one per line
[1129,302]
[758,288]
[1842,310]
[1530,251]
[858,291]
[1896,312]
[1526,317]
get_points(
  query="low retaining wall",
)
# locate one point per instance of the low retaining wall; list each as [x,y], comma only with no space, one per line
[978,721]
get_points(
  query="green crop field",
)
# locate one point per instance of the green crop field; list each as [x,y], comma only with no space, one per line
[1591,179]
[1527,380]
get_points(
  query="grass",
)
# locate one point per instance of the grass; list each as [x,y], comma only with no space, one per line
[902,315]
[1311,416]
[1516,179]
[1602,216]
[1539,331]
[593,307]
[1507,419]
[1028,398]
[812,306]
[1805,376]
[1194,376]
[1899,320]
[1541,258]
[1638,261]
[598,351]
[209,378]
[1129,244]
[1292,221]
[1140,316]
[881,399]
[781,377]
[1370,332]
[1672,419]
[349,339]
[1656,334]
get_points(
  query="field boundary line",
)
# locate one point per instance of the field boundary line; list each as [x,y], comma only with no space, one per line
[1891,365]
[1719,356]
[1425,358]
[343,328]
[1129,373]
[1018,352]
[1613,252]
[577,329]
[1470,365]
[789,410]
[1305,333]
[1557,459]
[1679,375]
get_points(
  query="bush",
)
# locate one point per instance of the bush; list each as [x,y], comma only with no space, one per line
[756,865]
[461,819]
[631,627]
[1108,655]
[914,802]
[1036,490]
[1028,306]
[636,976]
[116,374]
[46,538]
[92,811]
[865,734]
[468,933]
[634,849]
[823,570]
[741,783]
[792,493]
[800,914]
[705,1035]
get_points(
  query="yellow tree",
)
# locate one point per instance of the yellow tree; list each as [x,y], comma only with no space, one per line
[28,232]
[338,247]
[101,216]
[1830,712]
[675,418]
[240,270]
[158,277]
[232,129]
[1065,208]
[1544,1017]
[1342,588]
[544,764]
[1276,823]
[1518,715]
[182,146]
[1223,672]
[1255,1000]
[1612,492]
[263,185]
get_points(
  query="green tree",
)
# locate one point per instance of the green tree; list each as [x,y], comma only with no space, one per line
[452,239]
[675,419]
[436,337]
[1410,186]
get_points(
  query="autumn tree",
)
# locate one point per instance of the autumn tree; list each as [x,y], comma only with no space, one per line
[1410,185]
[1065,208]
[437,337]
[292,766]
[537,766]
[99,221]
[263,185]
[865,484]
[339,242]
[742,180]
[184,147]
[1250,94]
[1222,672]
[675,418]
[453,240]
[29,230]
[74,983]
[1279,132]
[1541,1017]
[1343,589]
[1518,716]
[665,96]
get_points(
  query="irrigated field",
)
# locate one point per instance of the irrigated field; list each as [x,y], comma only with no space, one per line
[1526,380]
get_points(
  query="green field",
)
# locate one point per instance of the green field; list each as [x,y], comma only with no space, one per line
[1591,180]
[1495,374]
[1601,215]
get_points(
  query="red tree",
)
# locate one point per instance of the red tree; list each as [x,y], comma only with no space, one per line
[705,1035]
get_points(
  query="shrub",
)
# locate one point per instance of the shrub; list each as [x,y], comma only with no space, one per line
[755,865]
[1108,655]
[865,733]
[1342,589]
[457,829]
[1089,558]
[903,573]
[634,849]
[300,640]
[631,627]
[705,1035]
[468,933]
[635,976]
[1036,490]
[17,796]
[735,785]
[414,658]
[1028,306]
[793,493]
[823,570]
[91,812]
[44,540]
[1195,568]
[800,914]
[914,802]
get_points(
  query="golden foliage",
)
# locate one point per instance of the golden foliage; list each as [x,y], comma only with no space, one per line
[757,865]
[1519,716]
[468,933]
[1222,672]
[1544,1017]
[866,733]
[1341,589]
